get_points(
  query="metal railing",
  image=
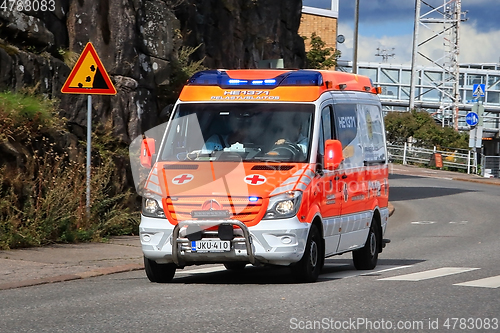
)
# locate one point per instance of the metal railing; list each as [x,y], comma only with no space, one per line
[491,166]
[458,158]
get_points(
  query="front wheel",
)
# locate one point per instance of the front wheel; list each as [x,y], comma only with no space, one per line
[309,267]
[366,258]
[161,273]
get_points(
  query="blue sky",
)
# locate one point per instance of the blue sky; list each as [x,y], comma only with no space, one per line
[388,24]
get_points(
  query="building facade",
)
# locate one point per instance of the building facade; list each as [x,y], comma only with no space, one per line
[320,17]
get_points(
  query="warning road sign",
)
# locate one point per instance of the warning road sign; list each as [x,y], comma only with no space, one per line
[89,76]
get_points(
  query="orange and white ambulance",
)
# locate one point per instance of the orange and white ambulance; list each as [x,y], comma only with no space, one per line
[265,167]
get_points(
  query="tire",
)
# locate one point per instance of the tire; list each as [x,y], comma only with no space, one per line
[309,267]
[160,273]
[366,258]
[235,266]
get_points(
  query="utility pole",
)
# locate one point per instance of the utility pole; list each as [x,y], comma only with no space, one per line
[446,18]
[355,49]
[418,5]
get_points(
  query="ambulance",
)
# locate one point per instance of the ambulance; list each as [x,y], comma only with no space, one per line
[265,167]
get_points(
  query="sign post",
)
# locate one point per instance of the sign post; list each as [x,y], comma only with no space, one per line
[89,77]
[476,132]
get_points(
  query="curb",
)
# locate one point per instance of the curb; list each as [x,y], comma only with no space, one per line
[391,209]
[70,277]
[479,181]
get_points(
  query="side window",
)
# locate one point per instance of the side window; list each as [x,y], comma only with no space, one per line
[325,132]
[373,138]
[346,131]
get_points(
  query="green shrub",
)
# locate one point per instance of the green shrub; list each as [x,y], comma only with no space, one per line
[43,200]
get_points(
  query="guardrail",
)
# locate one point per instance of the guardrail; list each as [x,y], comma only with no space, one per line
[459,158]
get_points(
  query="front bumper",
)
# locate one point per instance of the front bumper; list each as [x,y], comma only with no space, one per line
[277,242]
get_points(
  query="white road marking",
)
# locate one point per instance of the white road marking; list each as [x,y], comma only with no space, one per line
[423,222]
[491,282]
[202,270]
[433,273]
[351,273]
[392,268]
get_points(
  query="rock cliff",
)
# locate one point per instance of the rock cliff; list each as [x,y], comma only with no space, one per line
[139,42]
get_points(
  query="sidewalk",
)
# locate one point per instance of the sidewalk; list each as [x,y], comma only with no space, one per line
[451,175]
[65,262]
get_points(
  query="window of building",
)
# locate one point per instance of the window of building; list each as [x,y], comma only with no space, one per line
[370,72]
[328,8]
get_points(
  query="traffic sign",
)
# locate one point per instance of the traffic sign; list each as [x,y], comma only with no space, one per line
[472,119]
[478,90]
[89,76]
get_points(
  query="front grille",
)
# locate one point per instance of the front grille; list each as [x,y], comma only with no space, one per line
[241,209]
[273,167]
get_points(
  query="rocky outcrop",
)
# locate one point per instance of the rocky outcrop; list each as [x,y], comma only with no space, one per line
[239,33]
[138,42]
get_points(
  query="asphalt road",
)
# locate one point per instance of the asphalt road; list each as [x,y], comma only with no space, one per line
[445,231]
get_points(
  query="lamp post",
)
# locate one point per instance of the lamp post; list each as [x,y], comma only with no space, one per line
[355,49]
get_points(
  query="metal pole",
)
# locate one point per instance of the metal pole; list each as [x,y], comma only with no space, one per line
[355,50]
[456,69]
[414,54]
[89,148]
[468,162]
[404,153]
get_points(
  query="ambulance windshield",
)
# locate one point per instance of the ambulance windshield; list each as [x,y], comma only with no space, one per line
[274,132]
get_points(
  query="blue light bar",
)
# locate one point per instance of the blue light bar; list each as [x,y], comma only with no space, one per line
[237,82]
[206,78]
[253,199]
[222,79]
[303,78]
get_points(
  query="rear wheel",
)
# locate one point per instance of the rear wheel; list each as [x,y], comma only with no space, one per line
[309,267]
[161,273]
[235,266]
[366,258]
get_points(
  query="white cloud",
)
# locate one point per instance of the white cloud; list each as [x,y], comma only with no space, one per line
[367,46]
[475,46]
[478,47]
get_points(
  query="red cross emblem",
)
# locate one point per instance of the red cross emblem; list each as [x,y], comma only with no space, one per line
[182,179]
[255,179]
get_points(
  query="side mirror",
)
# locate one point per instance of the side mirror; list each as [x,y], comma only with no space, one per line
[147,152]
[333,154]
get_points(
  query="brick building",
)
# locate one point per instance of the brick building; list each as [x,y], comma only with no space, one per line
[320,16]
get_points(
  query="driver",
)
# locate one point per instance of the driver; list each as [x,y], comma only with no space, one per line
[297,138]
[239,133]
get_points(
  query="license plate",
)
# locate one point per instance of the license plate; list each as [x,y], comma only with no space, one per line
[210,245]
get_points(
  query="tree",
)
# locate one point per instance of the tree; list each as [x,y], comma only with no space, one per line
[320,57]
[420,126]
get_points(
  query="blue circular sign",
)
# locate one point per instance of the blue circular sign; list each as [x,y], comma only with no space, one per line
[472,119]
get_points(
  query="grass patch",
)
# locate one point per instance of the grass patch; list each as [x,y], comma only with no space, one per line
[43,190]
[24,108]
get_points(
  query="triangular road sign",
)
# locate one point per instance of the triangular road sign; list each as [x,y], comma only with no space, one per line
[89,76]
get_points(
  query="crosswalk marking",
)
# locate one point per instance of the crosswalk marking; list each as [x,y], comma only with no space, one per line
[430,274]
[202,270]
[490,282]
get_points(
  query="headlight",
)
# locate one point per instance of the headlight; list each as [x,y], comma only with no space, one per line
[283,205]
[151,208]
